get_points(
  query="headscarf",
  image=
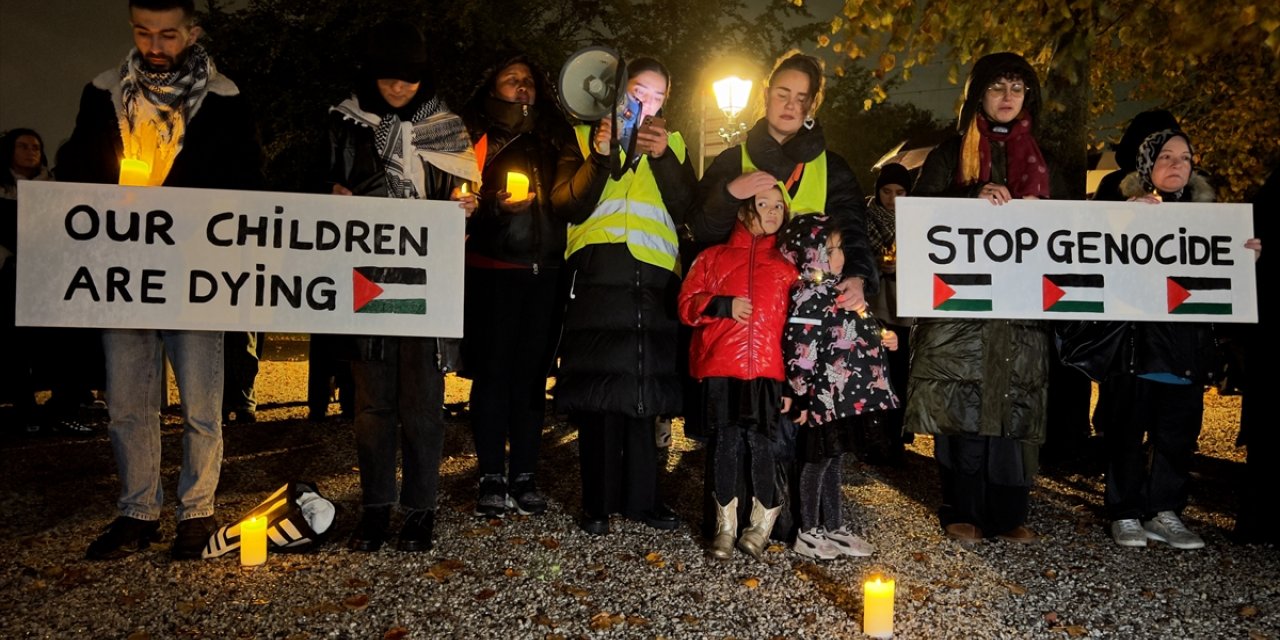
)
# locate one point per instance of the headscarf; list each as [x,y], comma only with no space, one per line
[1149,150]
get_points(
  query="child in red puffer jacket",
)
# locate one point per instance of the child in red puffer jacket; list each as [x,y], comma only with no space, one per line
[736,297]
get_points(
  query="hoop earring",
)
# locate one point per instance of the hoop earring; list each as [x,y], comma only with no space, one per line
[809,122]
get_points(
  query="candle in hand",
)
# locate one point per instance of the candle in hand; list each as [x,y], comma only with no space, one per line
[517,186]
[877,608]
[134,173]
[253,542]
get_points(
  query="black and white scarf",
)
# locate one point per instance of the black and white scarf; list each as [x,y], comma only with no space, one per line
[880,227]
[155,107]
[435,135]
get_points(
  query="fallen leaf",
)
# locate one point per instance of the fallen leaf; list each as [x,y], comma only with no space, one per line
[512,572]
[917,593]
[679,566]
[689,619]
[52,573]
[655,559]
[485,594]
[128,600]
[357,602]
[776,548]
[542,620]
[1050,574]
[1077,631]
[357,583]
[139,635]
[596,567]
[750,583]
[554,636]
[444,569]
[478,532]
[638,621]
[396,633]
[518,541]
[1016,589]
[549,543]
[1148,594]
[1247,611]
[577,592]
[698,597]
[1051,618]
[1258,635]
[919,556]
[605,620]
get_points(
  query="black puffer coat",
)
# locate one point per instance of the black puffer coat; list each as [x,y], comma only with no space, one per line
[618,348]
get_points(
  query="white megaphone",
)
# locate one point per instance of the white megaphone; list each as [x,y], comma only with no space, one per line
[589,89]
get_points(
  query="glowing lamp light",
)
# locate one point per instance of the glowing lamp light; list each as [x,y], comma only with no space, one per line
[134,173]
[253,542]
[731,95]
[877,608]
[517,186]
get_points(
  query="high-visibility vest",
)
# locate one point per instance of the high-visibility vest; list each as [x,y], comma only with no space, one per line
[631,211]
[811,197]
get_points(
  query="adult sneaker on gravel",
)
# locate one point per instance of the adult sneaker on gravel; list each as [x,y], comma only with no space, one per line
[814,544]
[492,502]
[1129,533]
[524,496]
[849,544]
[1167,527]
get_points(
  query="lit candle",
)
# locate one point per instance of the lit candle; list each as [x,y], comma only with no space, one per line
[517,186]
[253,542]
[464,188]
[134,173]
[877,608]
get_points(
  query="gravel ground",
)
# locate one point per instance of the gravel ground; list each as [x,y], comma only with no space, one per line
[541,577]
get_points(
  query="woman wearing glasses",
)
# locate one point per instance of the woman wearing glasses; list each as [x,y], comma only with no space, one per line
[980,386]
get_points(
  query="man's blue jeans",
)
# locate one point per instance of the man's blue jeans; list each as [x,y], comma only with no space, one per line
[135,370]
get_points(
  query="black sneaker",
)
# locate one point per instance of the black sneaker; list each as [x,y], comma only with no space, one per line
[192,536]
[122,537]
[492,502]
[371,532]
[524,496]
[415,533]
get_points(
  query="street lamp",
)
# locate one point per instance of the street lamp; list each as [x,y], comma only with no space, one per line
[732,94]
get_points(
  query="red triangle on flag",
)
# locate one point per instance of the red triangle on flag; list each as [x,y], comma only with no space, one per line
[941,291]
[1052,293]
[363,290]
[1177,294]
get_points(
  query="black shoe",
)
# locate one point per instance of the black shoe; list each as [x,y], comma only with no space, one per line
[192,536]
[240,416]
[372,532]
[594,525]
[122,537]
[524,496]
[492,502]
[659,517]
[415,533]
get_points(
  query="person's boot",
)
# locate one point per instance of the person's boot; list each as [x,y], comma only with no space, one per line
[755,537]
[416,532]
[372,531]
[726,529]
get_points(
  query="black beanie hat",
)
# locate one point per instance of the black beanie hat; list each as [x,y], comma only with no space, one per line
[893,173]
[1144,124]
[395,50]
[987,70]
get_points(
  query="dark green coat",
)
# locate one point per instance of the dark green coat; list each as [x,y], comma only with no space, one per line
[976,377]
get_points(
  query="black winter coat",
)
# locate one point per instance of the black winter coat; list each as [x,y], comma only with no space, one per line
[618,348]
[220,150]
[716,210]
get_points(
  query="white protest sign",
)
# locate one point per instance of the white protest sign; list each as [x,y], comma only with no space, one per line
[206,259]
[1075,260]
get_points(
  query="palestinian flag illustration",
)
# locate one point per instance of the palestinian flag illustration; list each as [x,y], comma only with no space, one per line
[1073,292]
[389,290]
[1210,296]
[962,291]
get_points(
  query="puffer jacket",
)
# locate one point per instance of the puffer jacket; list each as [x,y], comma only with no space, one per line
[974,376]
[747,266]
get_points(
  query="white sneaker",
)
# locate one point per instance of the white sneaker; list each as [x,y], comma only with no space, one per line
[1167,527]
[814,544]
[1129,533]
[849,544]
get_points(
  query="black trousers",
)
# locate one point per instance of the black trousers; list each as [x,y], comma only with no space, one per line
[733,450]
[327,364]
[1143,479]
[242,351]
[983,482]
[619,459]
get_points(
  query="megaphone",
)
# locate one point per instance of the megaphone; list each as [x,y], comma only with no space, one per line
[589,82]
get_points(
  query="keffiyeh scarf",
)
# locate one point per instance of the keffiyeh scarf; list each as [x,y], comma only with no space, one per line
[435,135]
[155,107]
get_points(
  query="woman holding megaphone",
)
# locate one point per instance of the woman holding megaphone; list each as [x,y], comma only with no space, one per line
[618,349]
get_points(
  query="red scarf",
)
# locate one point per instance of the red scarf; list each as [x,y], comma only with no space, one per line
[1028,175]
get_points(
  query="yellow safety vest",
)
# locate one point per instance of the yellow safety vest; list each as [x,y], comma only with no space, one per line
[811,197]
[631,210]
